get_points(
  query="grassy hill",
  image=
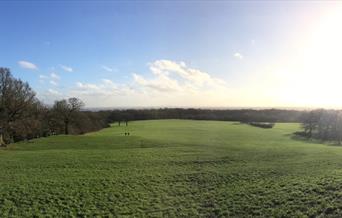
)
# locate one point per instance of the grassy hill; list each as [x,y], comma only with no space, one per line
[172,168]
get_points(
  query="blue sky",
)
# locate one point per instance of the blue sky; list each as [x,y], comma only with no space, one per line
[161,53]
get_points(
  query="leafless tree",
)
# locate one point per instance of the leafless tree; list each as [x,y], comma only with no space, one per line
[16,99]
[66,110]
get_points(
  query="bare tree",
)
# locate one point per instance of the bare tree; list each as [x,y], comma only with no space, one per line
[310,122]
[66,110]
[16,98]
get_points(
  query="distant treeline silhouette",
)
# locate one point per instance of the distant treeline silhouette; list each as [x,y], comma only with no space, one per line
[240,115]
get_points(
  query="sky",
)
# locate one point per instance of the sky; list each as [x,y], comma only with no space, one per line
[176,53]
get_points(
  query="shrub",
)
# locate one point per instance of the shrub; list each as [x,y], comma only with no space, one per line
[262,125]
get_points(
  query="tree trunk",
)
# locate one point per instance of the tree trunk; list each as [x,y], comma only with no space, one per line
[2,143]
[66,127]
[310,132]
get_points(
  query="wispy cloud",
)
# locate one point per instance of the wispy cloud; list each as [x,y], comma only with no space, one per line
[238,55]
[54,76]
[53,92]
[105,88]
[42,77]
[54,83]
[50,95]
[53,79]
[106,68]
[27,65]
[66,68]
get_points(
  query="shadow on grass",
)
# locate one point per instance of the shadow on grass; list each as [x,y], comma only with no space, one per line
[311,140]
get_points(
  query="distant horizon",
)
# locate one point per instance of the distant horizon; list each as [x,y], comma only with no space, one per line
[212,54]
[205,108]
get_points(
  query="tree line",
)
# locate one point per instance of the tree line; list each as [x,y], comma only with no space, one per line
[23,116]
[325,125]
[240,115]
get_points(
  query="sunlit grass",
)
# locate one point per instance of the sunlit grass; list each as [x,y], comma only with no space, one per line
[172,167]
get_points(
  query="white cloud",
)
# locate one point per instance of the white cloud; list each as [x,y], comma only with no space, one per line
[66,68]
[87,87]
[53,79]
[104,93]
[53,92]
[176,84]
[54,76]
[109,83]
[27,65]
[238,55]
[50,95]
[162,83]
[177,76]
[42,77]
[52,82]
[107,68]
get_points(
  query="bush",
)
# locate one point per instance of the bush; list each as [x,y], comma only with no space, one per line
[262,125]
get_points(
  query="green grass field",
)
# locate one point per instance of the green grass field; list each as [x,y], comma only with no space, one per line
[172,168]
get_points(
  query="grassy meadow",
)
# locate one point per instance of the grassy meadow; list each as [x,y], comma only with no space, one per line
[169,168]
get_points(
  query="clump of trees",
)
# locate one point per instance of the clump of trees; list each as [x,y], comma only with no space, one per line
[261,125]
[23,116]
[325,125]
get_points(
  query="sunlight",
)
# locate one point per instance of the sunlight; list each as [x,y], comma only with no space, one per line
[314,76]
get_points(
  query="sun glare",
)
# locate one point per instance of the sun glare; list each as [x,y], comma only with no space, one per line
[314,76]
